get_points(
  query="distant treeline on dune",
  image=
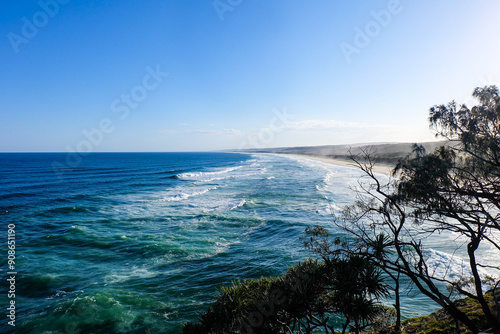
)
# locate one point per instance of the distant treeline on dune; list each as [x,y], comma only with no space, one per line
[385,153]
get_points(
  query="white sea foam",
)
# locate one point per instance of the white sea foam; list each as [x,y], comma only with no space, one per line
[237,204]
[220,204]
[134,273]
[225,173]
[232,205]
[444,265]
[209,176]
[179,194]
[218,245]
[448,266]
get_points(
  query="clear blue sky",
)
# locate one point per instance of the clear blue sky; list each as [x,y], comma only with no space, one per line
[233,65]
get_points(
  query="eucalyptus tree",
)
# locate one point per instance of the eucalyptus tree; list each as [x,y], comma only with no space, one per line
[455,189]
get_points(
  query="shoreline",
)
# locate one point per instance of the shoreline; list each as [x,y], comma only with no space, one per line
[378,168]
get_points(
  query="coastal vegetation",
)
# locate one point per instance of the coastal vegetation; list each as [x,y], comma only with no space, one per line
[453,190]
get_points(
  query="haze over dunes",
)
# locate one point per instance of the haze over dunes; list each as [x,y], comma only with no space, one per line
[386,154]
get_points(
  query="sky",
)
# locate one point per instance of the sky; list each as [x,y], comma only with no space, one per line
[201,75]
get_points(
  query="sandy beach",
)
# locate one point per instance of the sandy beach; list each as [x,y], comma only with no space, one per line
[378,168]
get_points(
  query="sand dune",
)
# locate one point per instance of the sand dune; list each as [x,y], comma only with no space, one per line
[378,167]
[385,155]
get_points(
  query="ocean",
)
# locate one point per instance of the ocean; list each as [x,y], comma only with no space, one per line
[140,242]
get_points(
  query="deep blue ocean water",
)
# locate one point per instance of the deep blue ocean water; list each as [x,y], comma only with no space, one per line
[140,242]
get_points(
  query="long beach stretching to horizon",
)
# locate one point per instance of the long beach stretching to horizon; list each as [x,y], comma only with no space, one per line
[248,167]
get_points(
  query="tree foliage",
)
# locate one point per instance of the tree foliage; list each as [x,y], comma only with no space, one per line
[304,299]
[455,189]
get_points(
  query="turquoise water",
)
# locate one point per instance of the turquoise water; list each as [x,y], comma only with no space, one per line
[140,242]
